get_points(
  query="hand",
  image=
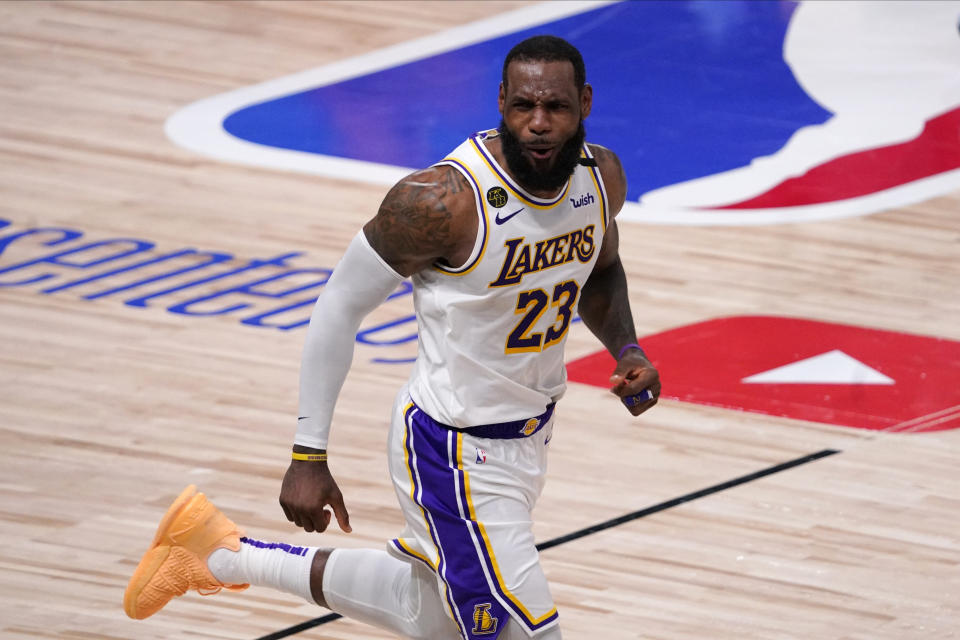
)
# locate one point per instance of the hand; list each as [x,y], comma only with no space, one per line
[636,382]
[308,488]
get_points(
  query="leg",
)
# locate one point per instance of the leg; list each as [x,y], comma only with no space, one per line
[317,568]
[373,587]
[515,631]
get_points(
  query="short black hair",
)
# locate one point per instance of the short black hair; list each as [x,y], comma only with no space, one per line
[547,49]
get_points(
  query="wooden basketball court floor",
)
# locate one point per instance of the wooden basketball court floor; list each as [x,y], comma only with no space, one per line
[107,410]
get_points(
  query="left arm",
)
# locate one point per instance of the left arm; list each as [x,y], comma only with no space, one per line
[605,306]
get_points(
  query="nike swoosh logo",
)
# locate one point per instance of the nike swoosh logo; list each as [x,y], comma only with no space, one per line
[500,220]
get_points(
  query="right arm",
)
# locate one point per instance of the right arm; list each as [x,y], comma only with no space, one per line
[422,220]
[428,217]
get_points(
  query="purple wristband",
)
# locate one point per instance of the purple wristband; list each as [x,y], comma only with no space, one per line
[632,345]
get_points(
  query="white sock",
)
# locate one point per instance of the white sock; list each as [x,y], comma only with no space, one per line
[269,564]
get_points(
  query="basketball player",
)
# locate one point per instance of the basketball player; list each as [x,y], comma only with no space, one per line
[504,240]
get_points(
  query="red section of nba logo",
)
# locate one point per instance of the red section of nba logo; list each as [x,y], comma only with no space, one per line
[804,369]
[933,152]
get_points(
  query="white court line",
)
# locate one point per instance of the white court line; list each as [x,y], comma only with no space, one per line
[901,196]
[924,422]
[199,126]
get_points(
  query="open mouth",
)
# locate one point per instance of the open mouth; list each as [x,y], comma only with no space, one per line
[541,153]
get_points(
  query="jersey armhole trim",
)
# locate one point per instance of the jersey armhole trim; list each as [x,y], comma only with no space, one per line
[480,244]
[601,189]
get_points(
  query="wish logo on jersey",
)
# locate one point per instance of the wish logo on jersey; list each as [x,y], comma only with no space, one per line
[583,200]
[523,258]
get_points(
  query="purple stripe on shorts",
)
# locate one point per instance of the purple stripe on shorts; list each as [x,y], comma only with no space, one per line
[415,474]
[462,570]
[472,522]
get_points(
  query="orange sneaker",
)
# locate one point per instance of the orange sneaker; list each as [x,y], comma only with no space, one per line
[190,530]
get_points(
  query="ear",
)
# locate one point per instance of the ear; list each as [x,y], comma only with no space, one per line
[501,98]
[586,101]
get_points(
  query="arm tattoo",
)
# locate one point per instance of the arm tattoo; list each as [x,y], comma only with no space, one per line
[417,224]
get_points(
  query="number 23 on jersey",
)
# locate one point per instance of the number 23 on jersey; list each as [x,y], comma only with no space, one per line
[532,304]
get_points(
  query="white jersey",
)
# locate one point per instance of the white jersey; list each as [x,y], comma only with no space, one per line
[492,331]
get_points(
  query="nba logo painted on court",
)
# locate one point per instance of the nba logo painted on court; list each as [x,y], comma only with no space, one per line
[819,121]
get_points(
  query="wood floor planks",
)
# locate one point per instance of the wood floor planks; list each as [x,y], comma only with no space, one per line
[107,410]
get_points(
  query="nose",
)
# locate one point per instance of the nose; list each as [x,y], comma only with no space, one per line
[539,123]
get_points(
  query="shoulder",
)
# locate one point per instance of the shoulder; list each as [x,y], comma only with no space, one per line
[428,216]
[613,176]
[431,194]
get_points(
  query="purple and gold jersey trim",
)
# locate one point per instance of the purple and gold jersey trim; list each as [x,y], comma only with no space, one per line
[404,547]
[601,190]
[481,213]
[505,180]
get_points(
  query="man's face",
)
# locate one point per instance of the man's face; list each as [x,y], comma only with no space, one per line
[542,125]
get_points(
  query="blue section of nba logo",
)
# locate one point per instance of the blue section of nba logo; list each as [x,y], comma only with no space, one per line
[673,107]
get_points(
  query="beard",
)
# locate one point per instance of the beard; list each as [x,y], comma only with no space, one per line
[528,175]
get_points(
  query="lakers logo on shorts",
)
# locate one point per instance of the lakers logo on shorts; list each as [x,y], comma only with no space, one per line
[530,426]
[497,196]
[483,622]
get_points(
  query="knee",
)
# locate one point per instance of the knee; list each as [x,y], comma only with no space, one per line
[433,624]
[513,630]
[428,619]
[434,631]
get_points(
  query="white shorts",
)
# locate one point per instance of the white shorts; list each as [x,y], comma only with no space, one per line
[467,501]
